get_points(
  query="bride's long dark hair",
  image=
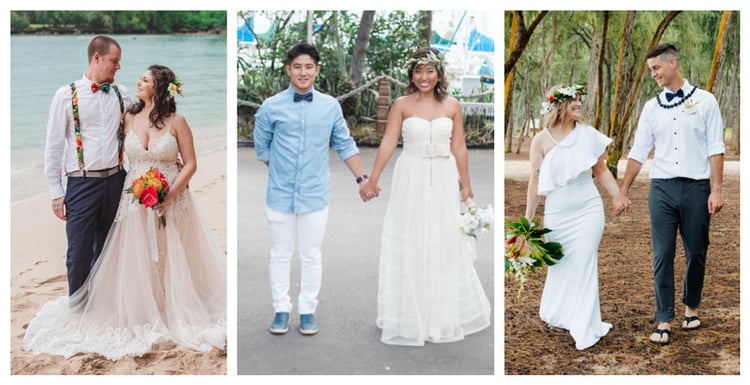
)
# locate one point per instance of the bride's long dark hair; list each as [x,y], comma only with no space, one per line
[164,103]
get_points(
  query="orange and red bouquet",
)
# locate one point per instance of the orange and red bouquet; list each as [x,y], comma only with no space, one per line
[150,189]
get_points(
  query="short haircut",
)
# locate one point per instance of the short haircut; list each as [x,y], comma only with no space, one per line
[101,44]
[663,49]
[302,49]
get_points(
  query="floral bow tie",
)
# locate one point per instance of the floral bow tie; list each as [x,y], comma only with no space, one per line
[307,97]
[96,87]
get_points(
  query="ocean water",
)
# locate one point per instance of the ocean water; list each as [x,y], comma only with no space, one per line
[42,64]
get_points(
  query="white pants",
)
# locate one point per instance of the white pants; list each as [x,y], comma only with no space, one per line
[309,229]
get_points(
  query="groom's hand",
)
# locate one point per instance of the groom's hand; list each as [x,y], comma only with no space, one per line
[58,208]
[715,202]
[621,204]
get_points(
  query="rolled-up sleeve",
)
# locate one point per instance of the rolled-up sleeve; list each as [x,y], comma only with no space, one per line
[54,147]
[644,137]
[714,127]
[341,138]
[262,134]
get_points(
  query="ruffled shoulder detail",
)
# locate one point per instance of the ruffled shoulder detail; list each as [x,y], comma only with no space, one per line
[578,152]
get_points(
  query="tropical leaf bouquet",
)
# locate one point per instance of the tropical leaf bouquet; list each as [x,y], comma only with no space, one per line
[526,250]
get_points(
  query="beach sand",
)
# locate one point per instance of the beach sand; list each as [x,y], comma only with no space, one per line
[38,274]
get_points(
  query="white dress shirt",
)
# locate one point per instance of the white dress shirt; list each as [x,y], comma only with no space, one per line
[685,136]
[99,115]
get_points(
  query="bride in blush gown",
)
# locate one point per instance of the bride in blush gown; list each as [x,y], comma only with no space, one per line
[428,287]
[563,158]
[152,284]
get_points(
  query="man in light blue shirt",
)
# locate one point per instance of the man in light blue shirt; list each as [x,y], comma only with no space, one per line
[684,125]
[293,132]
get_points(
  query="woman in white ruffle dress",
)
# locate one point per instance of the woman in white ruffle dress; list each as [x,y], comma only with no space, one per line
[563,158]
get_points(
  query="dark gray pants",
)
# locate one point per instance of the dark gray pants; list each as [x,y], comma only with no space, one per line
[678,203]
[90,205]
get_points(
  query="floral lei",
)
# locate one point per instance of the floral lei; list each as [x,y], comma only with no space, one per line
[562,94]
[175,88]
[431,58]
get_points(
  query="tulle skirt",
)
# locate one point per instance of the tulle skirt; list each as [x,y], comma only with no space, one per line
[150,285]
[428,287]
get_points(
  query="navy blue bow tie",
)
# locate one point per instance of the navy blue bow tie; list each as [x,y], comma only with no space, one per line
[306,97]
[671,96]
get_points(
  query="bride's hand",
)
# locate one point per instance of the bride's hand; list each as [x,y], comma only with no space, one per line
[466,193]
[368,190]
[159,208]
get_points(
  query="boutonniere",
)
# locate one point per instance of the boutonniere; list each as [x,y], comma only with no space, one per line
[691,105]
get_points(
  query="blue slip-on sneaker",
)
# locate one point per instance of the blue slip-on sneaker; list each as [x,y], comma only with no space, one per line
[280,323]
[307,324]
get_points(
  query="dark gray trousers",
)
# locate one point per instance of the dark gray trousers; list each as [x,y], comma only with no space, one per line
[91,206]
[678,203]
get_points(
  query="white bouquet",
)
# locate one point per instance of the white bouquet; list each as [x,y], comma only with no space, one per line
[476,220]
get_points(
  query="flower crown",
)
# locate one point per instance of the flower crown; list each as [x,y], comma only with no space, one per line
[175,88]
[431,58]
[562,94]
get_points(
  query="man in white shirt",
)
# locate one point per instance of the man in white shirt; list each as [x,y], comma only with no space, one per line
[684,124]
[84,142]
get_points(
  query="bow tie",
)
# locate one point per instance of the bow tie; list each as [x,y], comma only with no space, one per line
[306,97]
[96,87]
[671,96]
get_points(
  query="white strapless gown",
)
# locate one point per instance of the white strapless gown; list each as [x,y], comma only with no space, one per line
[428,287]
[575,213]
[150,285]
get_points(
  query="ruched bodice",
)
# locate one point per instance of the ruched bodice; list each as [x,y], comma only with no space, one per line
[427,138]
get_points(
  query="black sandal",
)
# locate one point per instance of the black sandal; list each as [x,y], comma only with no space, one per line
[687,320]
[661,333]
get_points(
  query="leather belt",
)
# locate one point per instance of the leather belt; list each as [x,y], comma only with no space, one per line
[106,173]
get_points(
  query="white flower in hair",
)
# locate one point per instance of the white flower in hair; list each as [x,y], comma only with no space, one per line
[546,108]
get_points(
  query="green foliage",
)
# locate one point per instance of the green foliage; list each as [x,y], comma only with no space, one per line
[18,21]
[693,32]
[394,36]
[122,21]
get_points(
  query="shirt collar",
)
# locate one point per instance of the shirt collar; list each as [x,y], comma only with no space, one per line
[685,87]
[86,80]
[291,89]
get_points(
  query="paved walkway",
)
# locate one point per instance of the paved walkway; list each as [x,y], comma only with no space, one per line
[349,341]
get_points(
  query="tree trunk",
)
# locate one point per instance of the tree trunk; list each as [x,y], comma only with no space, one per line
[599,71]
[524,33]
[591,84]
[508,107]
[718,60]
[620,113]
[359,53]
[426,32]
[550,58]
[736,94]
[524,119]
[514,30]
[309,27]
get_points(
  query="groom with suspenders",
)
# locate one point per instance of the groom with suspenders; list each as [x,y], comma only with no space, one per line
[684,125]
[84,140]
